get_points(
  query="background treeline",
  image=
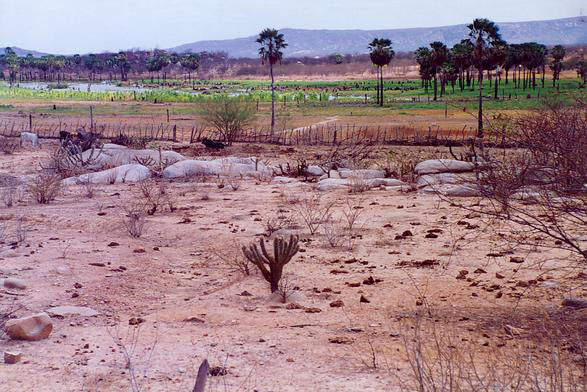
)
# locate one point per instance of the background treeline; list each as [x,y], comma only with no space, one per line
[159,66]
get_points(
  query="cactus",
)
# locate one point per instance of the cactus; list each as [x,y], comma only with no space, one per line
[283,251]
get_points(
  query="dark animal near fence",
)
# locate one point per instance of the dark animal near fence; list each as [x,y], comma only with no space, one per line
[212,144]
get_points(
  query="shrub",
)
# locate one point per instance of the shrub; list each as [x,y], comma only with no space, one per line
[45,188]
[135,219]
[229,117]
[313,211]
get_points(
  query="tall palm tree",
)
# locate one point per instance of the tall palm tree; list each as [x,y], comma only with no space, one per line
[484,33]
[381,55]
[423,58]
[461,55]
[558,54]
[498,55]
[271,52]
[438,56]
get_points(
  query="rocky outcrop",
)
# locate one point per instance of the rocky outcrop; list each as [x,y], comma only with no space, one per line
[35,327]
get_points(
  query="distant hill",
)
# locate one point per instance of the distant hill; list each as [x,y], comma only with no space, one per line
[568,31]
[23,52]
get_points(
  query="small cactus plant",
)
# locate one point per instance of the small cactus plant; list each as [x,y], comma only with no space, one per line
[283,251]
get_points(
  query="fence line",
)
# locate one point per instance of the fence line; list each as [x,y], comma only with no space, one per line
[322,134]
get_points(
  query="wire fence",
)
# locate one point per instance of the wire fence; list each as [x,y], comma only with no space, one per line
[321,134]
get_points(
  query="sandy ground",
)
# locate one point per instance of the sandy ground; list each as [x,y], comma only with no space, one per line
[191,301]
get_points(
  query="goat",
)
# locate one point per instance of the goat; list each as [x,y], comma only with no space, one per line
[30,137]
[212,144]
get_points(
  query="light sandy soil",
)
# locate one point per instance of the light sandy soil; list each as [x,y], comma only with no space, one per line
[192,305]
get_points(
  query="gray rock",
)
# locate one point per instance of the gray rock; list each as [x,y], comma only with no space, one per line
[363,173]
[443,166]
[35,327]
[72,311]
[14,283]
[463,190]
[227,167]
[445,178]
[118,175]
[315,171]
[331,184]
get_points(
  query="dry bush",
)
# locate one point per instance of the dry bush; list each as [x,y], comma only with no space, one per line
[358,184]
[45,188]
[89,188]
[440,360]
[314,211]
[539,191]
[400,163]
[351,154]
[9,145]
[12,195]
[134,142]
[232,256]
[334,233]
[281,219]
[72,161]
[155,166]
[155,197]
[135,219]
[351,211]
[299,168]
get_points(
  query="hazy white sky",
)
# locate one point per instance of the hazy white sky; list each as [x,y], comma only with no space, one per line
[81,26]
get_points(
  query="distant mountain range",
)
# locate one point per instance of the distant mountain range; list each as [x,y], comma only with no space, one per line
[567,31]
[23,52]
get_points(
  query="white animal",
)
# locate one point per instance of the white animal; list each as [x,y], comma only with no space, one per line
[30,137]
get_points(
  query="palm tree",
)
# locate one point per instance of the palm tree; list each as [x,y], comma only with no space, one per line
[423,58]
[498,55]
[191,62]
[381,55]
[461,54]
[438,56]
[558,54]
[484,33]
[271,52]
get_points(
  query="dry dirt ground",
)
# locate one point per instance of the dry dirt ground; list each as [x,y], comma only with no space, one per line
[78,252]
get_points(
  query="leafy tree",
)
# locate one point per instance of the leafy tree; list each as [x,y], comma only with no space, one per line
[381,55]
[484,34]
[121,62]
[271,52]
[558,54]
[498,55]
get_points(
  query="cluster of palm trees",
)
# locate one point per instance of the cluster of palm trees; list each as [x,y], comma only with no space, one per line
[54,68]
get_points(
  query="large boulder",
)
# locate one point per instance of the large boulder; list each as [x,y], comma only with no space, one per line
[330,184]
[454,190]
[315,171]
[124,156]
[118,175]
[35,327]
[363,173]
[443,166]
[445,178]
[226,167]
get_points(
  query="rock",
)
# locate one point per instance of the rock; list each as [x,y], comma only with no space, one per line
[35,327]
[315,171]
[118,175]
[516,259]
[443,166]
[313,310]
[576,303]
[72,311]
[227,167]
[136,320]
[445,178]
[340,340]
[454,190]
[499,276]
[108,146]
[364,300]
[331,184]
[10,358]
[284,180]
[462,274]
[14,283]
[363,173]
[125,156]
[337,304]
[245,293]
